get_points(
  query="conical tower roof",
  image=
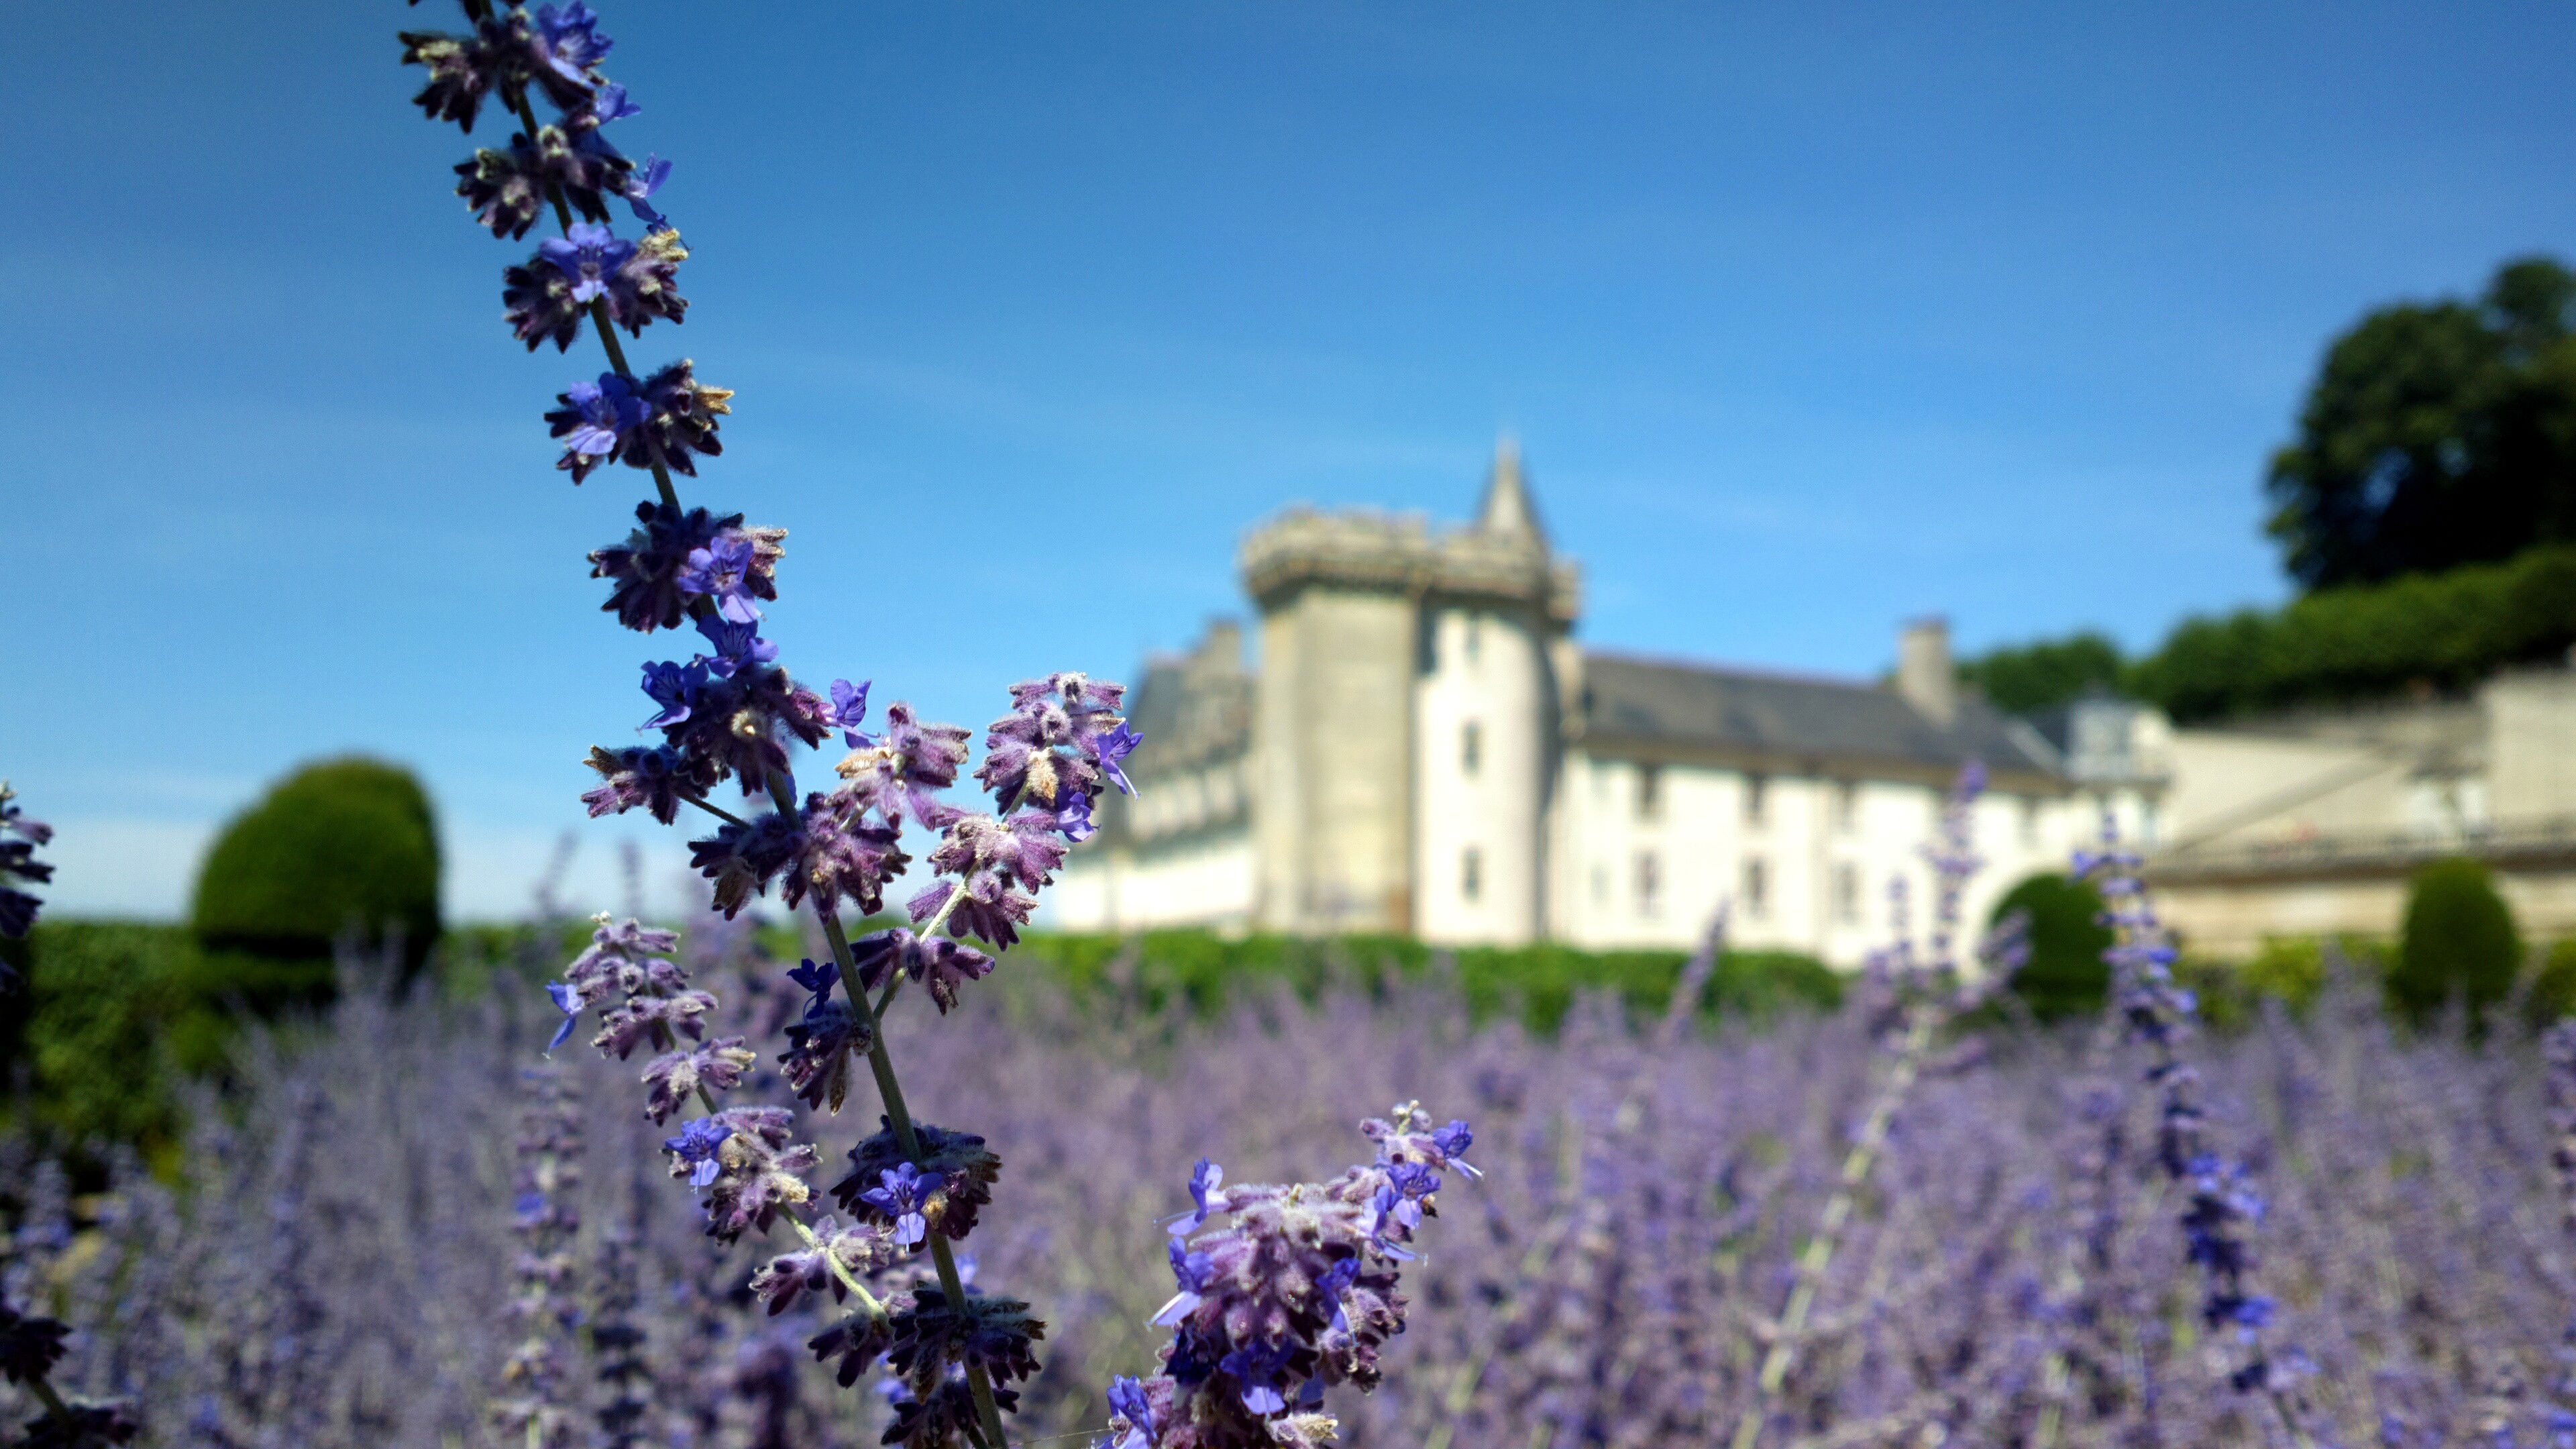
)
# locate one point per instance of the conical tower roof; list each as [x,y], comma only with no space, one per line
[1507,508]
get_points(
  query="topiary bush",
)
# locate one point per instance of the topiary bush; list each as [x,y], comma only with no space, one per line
[2553,987]
[2459,942]
[348,843]
[2066,975]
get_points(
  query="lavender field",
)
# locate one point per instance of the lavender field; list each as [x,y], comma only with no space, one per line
[339,1263]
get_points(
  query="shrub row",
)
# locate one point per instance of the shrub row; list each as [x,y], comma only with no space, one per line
[1202,972]
[2448,630]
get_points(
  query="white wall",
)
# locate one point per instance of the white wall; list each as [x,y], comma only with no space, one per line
[1487,674]
[1826,868]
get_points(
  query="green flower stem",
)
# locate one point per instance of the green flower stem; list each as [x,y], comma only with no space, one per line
[53,1402]
[866,1298]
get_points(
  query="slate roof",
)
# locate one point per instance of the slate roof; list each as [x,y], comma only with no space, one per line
[1655,707]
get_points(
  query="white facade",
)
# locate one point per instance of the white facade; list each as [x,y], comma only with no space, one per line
[1424,750]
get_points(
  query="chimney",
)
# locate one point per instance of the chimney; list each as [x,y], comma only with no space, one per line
[1924,675]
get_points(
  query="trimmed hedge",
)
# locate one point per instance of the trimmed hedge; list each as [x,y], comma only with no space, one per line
[342,844]
[2449,630]
[2065,975]
[1200,971]
[2459,942]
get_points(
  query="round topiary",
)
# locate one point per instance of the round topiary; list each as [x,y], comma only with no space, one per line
[2459,942]
[344,845]
[2065,975]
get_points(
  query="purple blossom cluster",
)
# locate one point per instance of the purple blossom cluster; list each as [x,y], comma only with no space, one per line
[19,837]
[1293,1293]
[341,1268]
[2222,1204]
[546,1215]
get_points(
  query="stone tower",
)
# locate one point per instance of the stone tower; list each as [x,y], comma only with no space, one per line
[1407,718]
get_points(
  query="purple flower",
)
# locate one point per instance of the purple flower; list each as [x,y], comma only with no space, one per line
[1075,818]
[1453,1140]
[1116,746]
[696,1147]
[939,963]
[547,298]
[1259,1367]
[609,103]
[672,1078]
[1127,1401]
[675,688]
[654,777]
[843,858]
[849,707]
[1051,740]
[1386,1207]
[1193,1271]
[738,647]
[1412,1183]
[570,1002]
[1205,1179]
[819,977]
[722,571]
[743,859]
[668,420]
[1337,1281]
[507,189]
[820,1045]
[593,421]
[587,254]
[501,57]
[904,1192]
[999,865]
[18,864]
[895,776]
[568,37]
[641,183]
[648,594]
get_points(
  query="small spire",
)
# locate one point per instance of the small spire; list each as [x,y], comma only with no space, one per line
[1507,508]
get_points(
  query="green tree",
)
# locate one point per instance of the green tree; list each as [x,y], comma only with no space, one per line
[2044,672]
[345,844]
[2459,942]
[2065,975]
[2436,434]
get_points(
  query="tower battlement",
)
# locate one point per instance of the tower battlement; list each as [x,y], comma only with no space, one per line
[1502,556]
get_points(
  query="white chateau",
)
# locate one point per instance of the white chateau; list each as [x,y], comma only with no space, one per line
[1425,749]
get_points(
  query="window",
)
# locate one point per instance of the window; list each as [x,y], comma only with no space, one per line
[1757,800]
[1650,792]
[1471,747]
[2030,823]
[1846,807]
[1600,883]
[1650,883]
[1475,637]
[1471,874]
[1757,887]
[1847,893]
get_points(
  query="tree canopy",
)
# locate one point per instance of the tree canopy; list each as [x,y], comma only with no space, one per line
[2021,678]
[2436,434]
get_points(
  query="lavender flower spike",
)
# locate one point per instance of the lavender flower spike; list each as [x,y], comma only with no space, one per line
[19,866]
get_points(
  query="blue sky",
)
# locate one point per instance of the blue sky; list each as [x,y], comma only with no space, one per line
[1810,319]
